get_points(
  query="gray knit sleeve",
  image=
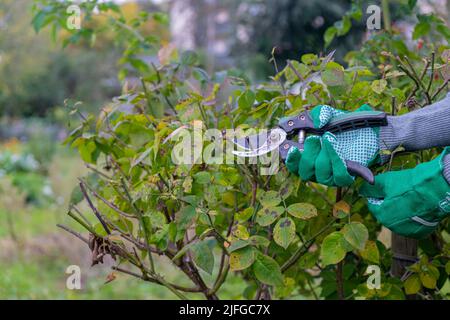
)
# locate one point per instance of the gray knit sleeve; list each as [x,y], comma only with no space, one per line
[421,129]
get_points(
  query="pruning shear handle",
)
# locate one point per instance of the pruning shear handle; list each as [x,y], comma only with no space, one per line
[346,122]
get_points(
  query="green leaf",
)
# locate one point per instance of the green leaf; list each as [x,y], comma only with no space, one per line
[172,231]
[242,259]
[299,69]
[333,76]
[147,226]
[309,260]
[238,244]
[202,177]
[302,211]
[447,267]
[88,151]
[182,252]
[259,241]
[245,214]
[333,248]
[285,290]
[356,234]
[246,99]
[267,216]
[378,86]
[421,29]
[99,229]
[185,216]
[412,284]
[267,270]
[343,26]
[329,35]
[157,219]
[411,4]
[429,275]
[284,232]
[140,65]
[203,256]
[189,58]
[76,196]
[40,20]
[309,58]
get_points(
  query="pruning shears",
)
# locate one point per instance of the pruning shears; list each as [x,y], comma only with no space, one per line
[301,125]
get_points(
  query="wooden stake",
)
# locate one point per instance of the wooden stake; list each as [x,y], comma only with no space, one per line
[404,252]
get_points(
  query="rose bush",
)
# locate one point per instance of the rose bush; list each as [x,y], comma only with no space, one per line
[283,237]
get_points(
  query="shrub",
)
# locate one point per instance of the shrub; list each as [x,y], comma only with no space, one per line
[282,236]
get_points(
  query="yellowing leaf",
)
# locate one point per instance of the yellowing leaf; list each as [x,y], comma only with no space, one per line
[242,259]
[302,211]
[429,276]
[284,232]
[341,209]
[370,253]
[378,86]
[244,215]
[267,216]
[269,198]
[110,277]
[412,284]
[240,232]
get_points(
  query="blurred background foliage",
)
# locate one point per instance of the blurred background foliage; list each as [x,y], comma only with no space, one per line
[40,81]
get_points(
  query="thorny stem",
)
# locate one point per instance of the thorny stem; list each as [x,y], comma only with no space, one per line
[75,208]
[304,248]
[442,87]
[76,234]
[340,280]
[147,96]
[148,279]
[339,273]
[109,204]
[94,209]
[283,88]
[432,72]
[141,220]
[81,222]
[91,167]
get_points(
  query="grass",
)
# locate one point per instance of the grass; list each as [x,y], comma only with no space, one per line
[34,263]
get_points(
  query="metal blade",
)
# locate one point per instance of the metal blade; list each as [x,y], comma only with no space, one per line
[256,145]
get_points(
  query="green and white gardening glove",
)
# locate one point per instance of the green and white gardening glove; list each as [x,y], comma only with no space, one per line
[412,202]
[323,158]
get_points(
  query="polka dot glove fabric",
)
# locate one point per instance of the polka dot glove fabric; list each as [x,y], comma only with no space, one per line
[323,157]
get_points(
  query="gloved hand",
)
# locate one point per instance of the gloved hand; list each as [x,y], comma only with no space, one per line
[410,202]
[323,158]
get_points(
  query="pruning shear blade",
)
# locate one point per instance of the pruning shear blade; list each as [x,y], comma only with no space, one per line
[256,145]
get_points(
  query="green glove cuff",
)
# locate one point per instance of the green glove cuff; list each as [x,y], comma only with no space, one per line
[411,202]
